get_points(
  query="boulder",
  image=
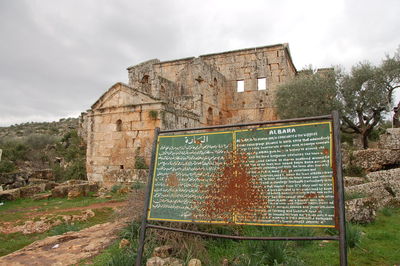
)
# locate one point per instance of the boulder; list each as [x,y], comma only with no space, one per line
[10,194]
[75,193]
[36,181]
[390,179]
[375,159]
[50,185]
[157,261]
[29,191]
[41,196]
[77,189]
[194,262]
[374,190]
[60,192]
[353,180]
[362,210]
[163,251]
[124,243]
[19,181]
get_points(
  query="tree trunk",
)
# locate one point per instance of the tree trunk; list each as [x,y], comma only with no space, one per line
[365,140]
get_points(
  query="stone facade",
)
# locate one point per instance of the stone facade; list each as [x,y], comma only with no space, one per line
[184,93]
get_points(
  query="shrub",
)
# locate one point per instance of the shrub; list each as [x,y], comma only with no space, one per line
[140,163]
[63,228]
[353,235]
[115,188]
[7,166]
[354,170]
[153,114]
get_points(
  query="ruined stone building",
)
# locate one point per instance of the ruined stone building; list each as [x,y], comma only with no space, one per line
[221,88]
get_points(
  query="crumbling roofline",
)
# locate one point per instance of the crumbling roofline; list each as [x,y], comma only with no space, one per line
[284,45]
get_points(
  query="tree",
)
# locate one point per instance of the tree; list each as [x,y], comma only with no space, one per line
[364,100]
[361,96]
[311,93]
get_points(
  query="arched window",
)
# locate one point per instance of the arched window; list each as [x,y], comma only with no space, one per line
[145,79]
[215,82]
[119,125]
[162,89]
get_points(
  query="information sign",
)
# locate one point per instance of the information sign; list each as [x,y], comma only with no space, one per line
[279,175]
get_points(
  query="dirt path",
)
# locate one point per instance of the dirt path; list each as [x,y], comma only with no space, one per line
[109,204]
[66,249]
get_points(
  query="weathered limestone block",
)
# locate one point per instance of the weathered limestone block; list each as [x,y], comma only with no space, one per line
[390,179]
[59,192]
[361,210]
[163,251]
[29,191]
[194,262]
[157,261]
[391,139]
[353,180]
[74,189]
[50,185]
[41,196]
[10,194]
[374,190]
[43,174]
[375,159]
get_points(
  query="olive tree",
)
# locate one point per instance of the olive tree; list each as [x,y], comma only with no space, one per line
[361,96]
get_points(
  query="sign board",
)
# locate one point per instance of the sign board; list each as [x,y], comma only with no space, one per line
[278,175]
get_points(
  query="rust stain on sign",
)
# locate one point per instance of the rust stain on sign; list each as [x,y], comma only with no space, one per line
[233,194]
[172,180]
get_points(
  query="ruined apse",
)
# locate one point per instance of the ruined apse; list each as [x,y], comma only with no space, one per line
[222,88]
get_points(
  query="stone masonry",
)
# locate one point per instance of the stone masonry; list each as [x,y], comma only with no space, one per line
[222,88]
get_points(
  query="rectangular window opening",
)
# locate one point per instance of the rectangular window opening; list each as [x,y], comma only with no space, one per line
[240,86]
[262,84]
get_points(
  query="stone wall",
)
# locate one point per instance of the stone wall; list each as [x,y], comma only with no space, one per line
[390,140]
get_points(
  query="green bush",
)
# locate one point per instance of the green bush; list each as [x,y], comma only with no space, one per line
[140,163]
[354,170]
[353,235]
[63,228]
[115,188]
[40,141]
[7,166]
[153,114]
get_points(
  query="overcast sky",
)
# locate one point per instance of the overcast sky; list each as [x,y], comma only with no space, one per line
[57,57]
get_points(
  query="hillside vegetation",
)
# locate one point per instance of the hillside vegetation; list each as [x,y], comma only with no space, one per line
[34,146]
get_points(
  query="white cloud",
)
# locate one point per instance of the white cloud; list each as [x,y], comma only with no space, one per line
[58,57]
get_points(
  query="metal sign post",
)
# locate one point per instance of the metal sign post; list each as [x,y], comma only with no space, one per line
[248,176]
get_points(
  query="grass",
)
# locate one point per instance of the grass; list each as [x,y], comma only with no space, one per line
[12,242]
[113,255]
[16,210]
[19,211]
[377,243]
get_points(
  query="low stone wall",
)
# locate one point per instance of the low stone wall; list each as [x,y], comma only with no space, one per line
[375,159]
[21,179]
[390,140]
[125,177]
